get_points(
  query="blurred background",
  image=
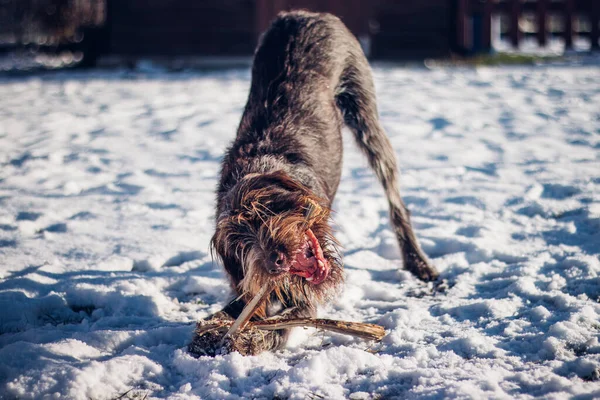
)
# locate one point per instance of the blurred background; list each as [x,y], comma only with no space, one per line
[87,33]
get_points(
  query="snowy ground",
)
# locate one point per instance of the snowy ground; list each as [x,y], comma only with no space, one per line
[106,205]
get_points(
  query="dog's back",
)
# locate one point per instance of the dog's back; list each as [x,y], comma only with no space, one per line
[292,106]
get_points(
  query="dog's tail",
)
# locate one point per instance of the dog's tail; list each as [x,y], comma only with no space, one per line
[356,99]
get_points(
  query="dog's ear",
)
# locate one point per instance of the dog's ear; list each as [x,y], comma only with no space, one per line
[234,269]
[218,251]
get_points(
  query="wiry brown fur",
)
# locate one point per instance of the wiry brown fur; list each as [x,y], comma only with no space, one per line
[281,173]
[262,218]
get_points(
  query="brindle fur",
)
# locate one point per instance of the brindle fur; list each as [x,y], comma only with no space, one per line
[309,78]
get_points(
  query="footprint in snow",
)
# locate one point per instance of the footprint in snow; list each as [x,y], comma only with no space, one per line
[55,228]
[82,216]
[163,206]
[28,216]
[183,257]
[8,243]
[156,263]
[559,192]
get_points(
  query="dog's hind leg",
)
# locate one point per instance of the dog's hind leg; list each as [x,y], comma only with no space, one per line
[356,99]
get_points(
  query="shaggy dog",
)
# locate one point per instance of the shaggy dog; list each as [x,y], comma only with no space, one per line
[280,175]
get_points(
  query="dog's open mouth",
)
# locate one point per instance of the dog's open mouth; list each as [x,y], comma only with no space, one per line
[310,262]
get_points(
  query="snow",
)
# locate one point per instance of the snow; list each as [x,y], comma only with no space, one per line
[106,211]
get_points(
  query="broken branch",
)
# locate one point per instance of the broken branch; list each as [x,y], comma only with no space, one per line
[359,329]
[247,313]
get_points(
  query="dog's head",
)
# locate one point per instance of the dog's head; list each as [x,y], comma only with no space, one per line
[275,229]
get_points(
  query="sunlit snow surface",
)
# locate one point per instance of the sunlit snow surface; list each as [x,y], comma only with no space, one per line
[106,211]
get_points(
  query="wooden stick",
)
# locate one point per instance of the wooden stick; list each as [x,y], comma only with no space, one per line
[359,329]
[362,330]
[248,312]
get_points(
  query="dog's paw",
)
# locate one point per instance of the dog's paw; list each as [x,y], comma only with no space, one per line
[209,338]
[248,342]
[441,286]
[421,268]
[206,344]
[209,335]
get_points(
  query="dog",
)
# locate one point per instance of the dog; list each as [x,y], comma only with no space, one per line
[280,175]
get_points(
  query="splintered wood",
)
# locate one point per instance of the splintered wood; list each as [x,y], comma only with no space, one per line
[248,312]
[242,324]
[358,329]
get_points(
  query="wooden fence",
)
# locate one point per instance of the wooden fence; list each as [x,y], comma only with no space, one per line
[48,22]
[209,28]
[141,28]
[389,28]
[132,29]
[474,21]
[354,13]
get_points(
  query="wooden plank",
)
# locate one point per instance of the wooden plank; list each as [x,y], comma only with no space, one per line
[410,29]
[280,5]
[568,17]
[366,16]
[207,21]
[150,44]
[515,13]
[172,27]
[595,20]
[461,24]
[181,27]
[542,24]
[262,16]
[486,41]
[424,19]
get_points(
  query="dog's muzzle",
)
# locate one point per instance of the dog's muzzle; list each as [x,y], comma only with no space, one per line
[277,263]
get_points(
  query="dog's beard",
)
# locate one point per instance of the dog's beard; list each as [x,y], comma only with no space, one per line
[293,288]
[290,220]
